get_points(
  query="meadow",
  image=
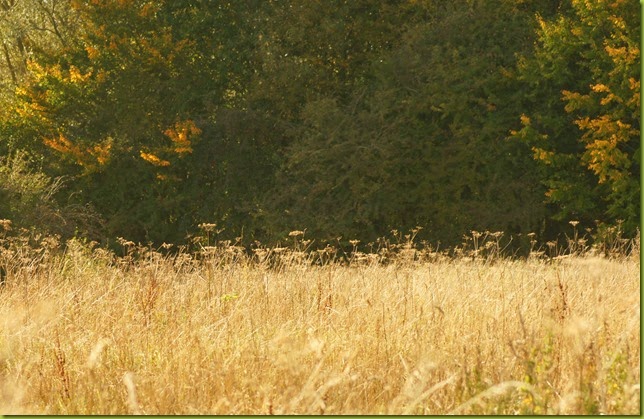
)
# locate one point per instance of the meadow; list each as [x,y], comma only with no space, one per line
[286,331]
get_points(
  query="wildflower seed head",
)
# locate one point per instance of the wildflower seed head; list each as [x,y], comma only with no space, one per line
[5,225]
[125,243]
[207,226]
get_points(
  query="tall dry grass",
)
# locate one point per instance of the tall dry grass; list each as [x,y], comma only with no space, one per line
[220,332]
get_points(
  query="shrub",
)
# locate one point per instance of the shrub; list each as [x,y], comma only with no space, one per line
[28,199]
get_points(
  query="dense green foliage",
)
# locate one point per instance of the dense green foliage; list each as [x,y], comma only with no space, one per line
[344,118]
[584,119]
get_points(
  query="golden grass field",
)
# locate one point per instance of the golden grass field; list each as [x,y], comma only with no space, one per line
[219,332]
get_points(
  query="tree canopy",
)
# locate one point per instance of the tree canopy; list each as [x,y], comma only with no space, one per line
[344,118]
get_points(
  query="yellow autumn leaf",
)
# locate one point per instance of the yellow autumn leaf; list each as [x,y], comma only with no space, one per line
[151,158]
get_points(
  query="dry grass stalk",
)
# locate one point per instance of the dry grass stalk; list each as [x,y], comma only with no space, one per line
[223,332]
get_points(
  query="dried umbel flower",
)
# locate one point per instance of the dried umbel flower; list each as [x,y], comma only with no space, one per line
[296,233]
[50,242]
[5,225]
[124,242]
[208,226]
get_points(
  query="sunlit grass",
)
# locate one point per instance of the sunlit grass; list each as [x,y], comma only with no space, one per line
[220,332]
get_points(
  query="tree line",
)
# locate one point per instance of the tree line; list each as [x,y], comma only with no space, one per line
[344,118]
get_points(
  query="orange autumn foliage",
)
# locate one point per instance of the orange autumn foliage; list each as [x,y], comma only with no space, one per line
[180,135]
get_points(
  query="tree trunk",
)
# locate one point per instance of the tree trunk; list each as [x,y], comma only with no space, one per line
[9,64]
